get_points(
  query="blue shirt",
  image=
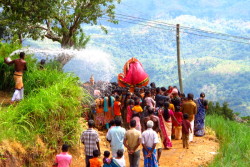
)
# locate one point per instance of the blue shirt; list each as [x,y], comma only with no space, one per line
[116,135]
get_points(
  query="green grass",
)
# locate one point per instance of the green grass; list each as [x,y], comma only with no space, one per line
[234,142]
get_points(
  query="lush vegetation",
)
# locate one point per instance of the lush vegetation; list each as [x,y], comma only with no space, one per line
[58,20]
[50,111]
[234,142]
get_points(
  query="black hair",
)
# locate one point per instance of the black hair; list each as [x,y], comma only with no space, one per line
[132,123]
[137,102]
[150,110]
[202,94]
[190,96]
[185,116]
[131,101]
[163,89]
[111,123]
[22,54]
[147,93]
[177,108]
[118,122]
[96,153]
[166,113]
[106,154]
[119,153]
[161,103]
[158,90]
[91,123]
[152,84]
[117,97]
[65,147]
[109,101]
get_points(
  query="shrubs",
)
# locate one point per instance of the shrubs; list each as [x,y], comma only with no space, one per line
[234,142]
[224,110]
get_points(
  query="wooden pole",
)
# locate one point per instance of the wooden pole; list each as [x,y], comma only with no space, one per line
[178,56]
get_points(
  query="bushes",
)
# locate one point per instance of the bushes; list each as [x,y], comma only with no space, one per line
[234,142]
[224,110]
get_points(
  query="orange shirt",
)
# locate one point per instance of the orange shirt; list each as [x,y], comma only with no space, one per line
[95,162]
[137,108]
[117,108]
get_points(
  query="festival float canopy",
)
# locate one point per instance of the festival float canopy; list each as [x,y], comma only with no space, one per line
[133,75]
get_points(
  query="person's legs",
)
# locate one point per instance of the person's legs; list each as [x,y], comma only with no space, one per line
[131,159]
[87,158]
[187,141]
[16,95]
[191,135]
[22,93]
[136,158]
[159,150]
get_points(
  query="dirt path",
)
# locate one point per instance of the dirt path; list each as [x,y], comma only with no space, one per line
[201,152]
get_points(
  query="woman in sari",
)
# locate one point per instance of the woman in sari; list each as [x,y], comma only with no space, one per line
[108,109]
[164,135]
[199,122]
[99,115]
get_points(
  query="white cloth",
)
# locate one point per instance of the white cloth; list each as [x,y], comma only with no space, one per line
[121,161]
[149,137]
[191,135]
[18,95]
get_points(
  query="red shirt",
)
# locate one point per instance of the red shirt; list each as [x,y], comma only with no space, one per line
[178,116]
[117,108]
[185,126]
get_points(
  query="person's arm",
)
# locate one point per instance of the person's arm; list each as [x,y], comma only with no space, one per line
[25,67]
[82,138]
[138,144]
[55,163]
[109,138]
[9,63]
[190,128]
[98,146]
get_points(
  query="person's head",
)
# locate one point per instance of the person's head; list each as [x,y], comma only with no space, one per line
[132,123]
[158,90]
[119,153]
[163,89]
[42,61]
[91,123]
[170,87]
[118,122]
[177,108]
[202,95]
[65,148]
[166,105]
[150,110]
[190,96]
[185,116]
[106,154]
[117,98]
[112,123]
[22,55]
[137,103]
[150,124]
[96,153]
[152,84]
[147,94]
[161,103]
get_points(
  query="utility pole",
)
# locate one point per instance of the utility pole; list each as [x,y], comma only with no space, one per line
[178,55]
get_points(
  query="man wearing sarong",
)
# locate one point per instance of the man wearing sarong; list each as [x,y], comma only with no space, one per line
[20,67]
[149,141]
[156,128]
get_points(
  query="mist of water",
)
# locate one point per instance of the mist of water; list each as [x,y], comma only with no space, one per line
[84,63]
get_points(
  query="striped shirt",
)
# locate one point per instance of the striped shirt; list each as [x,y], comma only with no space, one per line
[90,137]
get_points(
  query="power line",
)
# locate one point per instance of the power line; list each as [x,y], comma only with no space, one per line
[132,21]
[184,27]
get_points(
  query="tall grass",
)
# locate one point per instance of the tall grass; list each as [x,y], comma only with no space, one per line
[234,142]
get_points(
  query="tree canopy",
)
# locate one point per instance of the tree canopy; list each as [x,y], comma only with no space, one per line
[58,20]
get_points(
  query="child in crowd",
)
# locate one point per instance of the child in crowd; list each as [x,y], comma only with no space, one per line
[177,127]
[95,161]
[63,159]
[106,160]
[137,108]
[117,108]
[119,160]
[129,110]
[186,126]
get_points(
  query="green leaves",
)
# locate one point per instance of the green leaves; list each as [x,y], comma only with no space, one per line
[30,18]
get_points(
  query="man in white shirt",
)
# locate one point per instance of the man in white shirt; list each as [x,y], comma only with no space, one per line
[149,141]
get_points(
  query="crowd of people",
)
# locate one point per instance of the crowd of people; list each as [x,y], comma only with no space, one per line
[151,117]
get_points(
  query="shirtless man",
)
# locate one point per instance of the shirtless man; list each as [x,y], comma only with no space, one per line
[156,128]
[20,67]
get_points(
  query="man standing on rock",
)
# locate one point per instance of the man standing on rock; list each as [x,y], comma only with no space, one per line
[90,139]
[20,67]
[190,108]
